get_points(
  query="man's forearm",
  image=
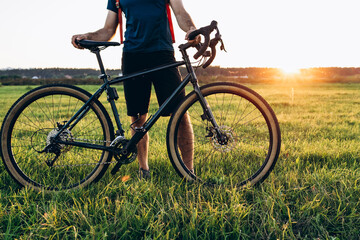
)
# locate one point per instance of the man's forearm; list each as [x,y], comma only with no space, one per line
[100,35]
[185,22]
[182,16]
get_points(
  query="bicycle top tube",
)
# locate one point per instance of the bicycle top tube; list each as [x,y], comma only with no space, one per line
[144,72]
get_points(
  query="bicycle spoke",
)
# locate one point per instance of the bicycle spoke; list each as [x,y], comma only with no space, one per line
[236,151]
[44,113]
[42,162]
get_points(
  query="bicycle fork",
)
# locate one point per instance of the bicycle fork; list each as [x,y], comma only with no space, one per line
[208,115]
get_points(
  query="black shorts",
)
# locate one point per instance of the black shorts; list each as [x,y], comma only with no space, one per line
[138,90]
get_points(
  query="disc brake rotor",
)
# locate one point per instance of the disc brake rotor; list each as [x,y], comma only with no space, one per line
[227,143]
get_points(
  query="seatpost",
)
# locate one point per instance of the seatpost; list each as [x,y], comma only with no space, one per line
[101,65]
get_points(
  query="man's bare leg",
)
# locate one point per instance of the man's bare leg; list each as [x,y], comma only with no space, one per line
[186,141]
[143,144]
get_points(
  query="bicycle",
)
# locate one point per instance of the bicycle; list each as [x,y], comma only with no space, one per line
[58,137]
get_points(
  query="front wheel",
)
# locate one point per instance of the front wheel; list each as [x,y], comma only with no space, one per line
[242,150]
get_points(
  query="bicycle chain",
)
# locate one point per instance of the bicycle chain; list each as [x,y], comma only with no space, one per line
[85,164]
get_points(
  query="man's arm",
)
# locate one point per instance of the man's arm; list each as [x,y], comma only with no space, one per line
[182,16]
[104,34]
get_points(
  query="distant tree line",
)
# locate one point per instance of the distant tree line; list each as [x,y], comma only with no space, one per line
[39,76]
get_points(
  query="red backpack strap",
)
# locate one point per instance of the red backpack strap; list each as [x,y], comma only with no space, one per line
[168,12]
[120,20]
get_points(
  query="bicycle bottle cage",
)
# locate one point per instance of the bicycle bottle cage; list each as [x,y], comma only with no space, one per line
[112,94]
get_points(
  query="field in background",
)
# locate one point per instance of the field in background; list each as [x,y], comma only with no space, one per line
[40,76]
[313,192]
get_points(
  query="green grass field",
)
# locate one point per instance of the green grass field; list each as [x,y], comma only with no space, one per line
[313,192]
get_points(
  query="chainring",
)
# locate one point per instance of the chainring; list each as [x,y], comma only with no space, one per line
[119,143]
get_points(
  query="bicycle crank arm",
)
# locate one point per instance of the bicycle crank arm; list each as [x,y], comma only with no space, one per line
[123,159]
[116,167]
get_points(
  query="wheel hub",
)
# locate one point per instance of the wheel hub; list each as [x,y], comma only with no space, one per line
[226,142]
[57,147]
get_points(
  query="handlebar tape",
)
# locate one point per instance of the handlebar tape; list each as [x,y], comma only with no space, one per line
[205,31]
[213,44]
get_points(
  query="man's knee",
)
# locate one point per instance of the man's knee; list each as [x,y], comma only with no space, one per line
[138,121]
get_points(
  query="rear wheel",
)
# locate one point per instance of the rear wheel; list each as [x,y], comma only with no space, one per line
[32,123]
[243,150]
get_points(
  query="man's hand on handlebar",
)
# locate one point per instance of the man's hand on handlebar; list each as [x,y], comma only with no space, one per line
[195,41]
[208,42]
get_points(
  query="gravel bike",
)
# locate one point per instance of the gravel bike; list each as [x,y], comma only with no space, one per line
[58,137]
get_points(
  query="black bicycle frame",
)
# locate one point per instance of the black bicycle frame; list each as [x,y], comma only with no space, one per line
[139,134]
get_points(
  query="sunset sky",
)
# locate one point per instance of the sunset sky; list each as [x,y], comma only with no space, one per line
[286,34]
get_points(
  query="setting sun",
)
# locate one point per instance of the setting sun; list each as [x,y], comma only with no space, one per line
[288,70]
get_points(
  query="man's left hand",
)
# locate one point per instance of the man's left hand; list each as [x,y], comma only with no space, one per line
[196,41]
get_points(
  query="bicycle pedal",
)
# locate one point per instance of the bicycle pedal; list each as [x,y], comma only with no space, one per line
[116,168]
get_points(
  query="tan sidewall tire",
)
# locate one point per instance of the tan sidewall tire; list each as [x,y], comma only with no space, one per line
[244,92]
[18,105]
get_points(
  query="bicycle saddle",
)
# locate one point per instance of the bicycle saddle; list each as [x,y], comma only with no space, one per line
[88,44]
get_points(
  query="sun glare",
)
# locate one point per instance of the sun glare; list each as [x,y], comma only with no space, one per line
[289,70]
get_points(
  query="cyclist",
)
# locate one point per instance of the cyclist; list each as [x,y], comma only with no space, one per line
[148,43]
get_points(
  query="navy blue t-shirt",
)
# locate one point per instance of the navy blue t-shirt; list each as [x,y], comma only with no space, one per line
[147,25]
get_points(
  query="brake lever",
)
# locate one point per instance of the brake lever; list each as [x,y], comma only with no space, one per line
[212,46]
[218,37]
[222,46]
[206,53]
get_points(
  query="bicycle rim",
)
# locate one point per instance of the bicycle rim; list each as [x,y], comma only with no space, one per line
[31,124]
[251,145]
